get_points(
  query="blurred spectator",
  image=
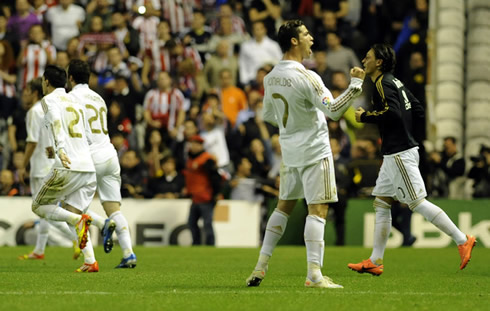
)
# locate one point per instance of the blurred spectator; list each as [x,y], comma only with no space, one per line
[7,185]
[178,13]
[35,55]
[218,61]
[225,32]
[180,146]
[322,67]
[8,35]
[39,8]
[169,184]
[198,35]
[480,173]
[156,150]
[233,99]
[340,57]
[62,59]
[99,8]
[17,169]
[203,186]
[343,183]
[72,48]
[7,80]
[146,24]
[330,23]
[336,132]
[364,167]
[447,168]
[414,23]
[17,132]
[269,13]
[65,20]
[164,107]
[117,120]
[127,37]
[226,10]
[256,52]
[157,56]
[134,175]
[258,83]
[213,135]
[128,96]
[258,158]
[23,19]
[339,7]
[244,185]
[391,14]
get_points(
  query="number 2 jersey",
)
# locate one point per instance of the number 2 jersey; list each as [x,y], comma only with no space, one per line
[398,114]
[95,109]
[296,101]
[64,119]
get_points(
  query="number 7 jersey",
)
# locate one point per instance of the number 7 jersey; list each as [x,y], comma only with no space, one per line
[64,120]
[95,110]
[296,101]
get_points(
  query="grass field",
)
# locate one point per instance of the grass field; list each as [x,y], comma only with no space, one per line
[173,278]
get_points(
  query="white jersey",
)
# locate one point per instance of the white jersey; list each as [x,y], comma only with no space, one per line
[95,109]
[296,100]
[64,119]
[39,134]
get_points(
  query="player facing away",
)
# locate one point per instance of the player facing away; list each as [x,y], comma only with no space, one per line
[106,162]
[398,115]
[296,101]
[38,139]
[71,180]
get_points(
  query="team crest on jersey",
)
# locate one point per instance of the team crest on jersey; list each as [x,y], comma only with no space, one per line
[326,101]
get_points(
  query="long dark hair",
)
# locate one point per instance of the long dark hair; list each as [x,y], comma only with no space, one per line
[386,53]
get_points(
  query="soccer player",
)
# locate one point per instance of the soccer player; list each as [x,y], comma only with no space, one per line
[38,140]
[72,177]
[296,101]
[106,162]
[398,115]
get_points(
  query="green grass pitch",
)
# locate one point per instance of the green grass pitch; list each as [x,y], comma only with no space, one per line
[203,278]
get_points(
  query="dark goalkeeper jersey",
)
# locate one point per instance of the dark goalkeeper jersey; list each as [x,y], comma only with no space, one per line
[398,114]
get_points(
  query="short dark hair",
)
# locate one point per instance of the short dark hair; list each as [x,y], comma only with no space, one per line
[36,85]
[79,70]
[55,75]
[451,138]
[386,53]
[287,31]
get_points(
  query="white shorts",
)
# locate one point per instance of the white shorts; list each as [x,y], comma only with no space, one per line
[399,177]
[74,188]
[109,180]
[315,183]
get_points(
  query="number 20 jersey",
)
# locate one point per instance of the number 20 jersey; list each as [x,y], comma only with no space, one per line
[292,100]
[64,119]
[95,109]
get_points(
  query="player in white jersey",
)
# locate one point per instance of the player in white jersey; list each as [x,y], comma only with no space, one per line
[296,101]
[38,140]
[106,162]
[72,179]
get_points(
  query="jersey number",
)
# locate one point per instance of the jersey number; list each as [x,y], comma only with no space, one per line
[74,122]
[99,114]
[286,108]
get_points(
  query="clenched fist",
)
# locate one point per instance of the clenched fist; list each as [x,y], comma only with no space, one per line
[357,72]
[359,112]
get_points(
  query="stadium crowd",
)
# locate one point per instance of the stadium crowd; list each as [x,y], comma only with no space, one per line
[170,70]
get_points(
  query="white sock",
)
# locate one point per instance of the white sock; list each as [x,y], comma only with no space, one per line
[122,232]
[275,229]
[42,236]
[439,218]
[315,245]
[97,220]
[382,230]
[63,227]
[54,212]
[88,252]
